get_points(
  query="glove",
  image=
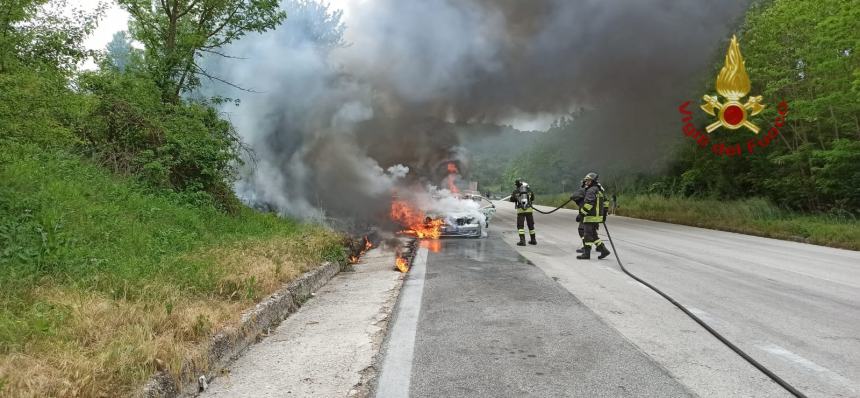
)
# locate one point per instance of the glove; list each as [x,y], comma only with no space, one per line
[579,217]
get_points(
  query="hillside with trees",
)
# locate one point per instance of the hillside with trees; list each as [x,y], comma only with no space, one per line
[123,247]
[801,51]
[805,185]
[805,53]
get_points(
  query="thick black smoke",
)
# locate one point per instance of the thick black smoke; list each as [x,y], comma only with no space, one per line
[335,127]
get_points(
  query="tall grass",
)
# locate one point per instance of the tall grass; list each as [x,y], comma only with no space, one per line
[749,216]
[102,279]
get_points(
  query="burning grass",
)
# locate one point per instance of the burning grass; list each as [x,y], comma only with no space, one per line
[102,282]
[401,263]
[366,244]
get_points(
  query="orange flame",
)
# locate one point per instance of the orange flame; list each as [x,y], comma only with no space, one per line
[451,186]
[452,172]
[401,264]
[415,222]
[434,246]
[367,246]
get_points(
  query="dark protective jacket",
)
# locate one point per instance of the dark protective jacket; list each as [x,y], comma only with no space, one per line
[594,204]
[578,196]
[515,198]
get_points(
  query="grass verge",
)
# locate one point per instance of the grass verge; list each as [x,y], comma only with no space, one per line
[749,216]
[103,281]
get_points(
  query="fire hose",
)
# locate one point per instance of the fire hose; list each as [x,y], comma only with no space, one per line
[702,323]
[553,210]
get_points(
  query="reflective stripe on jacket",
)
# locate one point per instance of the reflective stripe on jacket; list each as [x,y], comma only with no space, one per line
[593,205]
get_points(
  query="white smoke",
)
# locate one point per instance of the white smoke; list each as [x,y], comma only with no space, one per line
[450,206]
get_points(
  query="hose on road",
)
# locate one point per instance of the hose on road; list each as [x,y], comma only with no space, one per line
[702,323]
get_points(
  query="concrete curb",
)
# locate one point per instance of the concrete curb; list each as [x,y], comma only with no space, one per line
[228,344]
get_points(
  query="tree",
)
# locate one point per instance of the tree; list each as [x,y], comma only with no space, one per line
[175,33]
[13,12]
[803,52]
[42,33]
[313,22]
[119,50]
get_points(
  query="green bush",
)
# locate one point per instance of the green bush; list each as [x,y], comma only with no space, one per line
[38,108]
[185,146]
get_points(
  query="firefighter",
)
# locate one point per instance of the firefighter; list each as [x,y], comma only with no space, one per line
[523,197]
[577,198]
[593,211]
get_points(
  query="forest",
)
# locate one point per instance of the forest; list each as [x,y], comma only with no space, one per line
[802,52]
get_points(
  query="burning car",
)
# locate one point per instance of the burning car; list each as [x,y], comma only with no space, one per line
[485,206]
[464,225]
[465,215]
[470,222]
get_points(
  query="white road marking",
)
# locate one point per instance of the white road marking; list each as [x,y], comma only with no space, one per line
[397,366]
[808,365]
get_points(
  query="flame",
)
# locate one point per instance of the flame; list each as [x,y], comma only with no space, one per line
[401,264]
[415,222]
[435,246]
[451,186]
[733,81]
[367,246]
[431,229]
[452,175]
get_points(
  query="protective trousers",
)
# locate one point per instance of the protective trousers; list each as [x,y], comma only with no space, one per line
[581,231]
[589,235]
[528,218]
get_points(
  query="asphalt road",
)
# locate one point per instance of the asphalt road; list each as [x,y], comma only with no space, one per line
[475,319]
[793,307]
[486,318]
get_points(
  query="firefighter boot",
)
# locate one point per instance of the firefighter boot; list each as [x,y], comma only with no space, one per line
[581,249]
[522,241]
[603,251]
[533,241]
[586,253]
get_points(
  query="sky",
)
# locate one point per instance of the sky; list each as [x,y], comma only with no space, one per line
[115,19]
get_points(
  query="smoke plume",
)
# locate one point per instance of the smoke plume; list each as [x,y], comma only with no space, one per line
[347,115]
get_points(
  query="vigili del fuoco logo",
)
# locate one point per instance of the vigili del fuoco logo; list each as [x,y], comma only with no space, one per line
[733,84]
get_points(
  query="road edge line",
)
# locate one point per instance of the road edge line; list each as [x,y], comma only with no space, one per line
[396,374]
